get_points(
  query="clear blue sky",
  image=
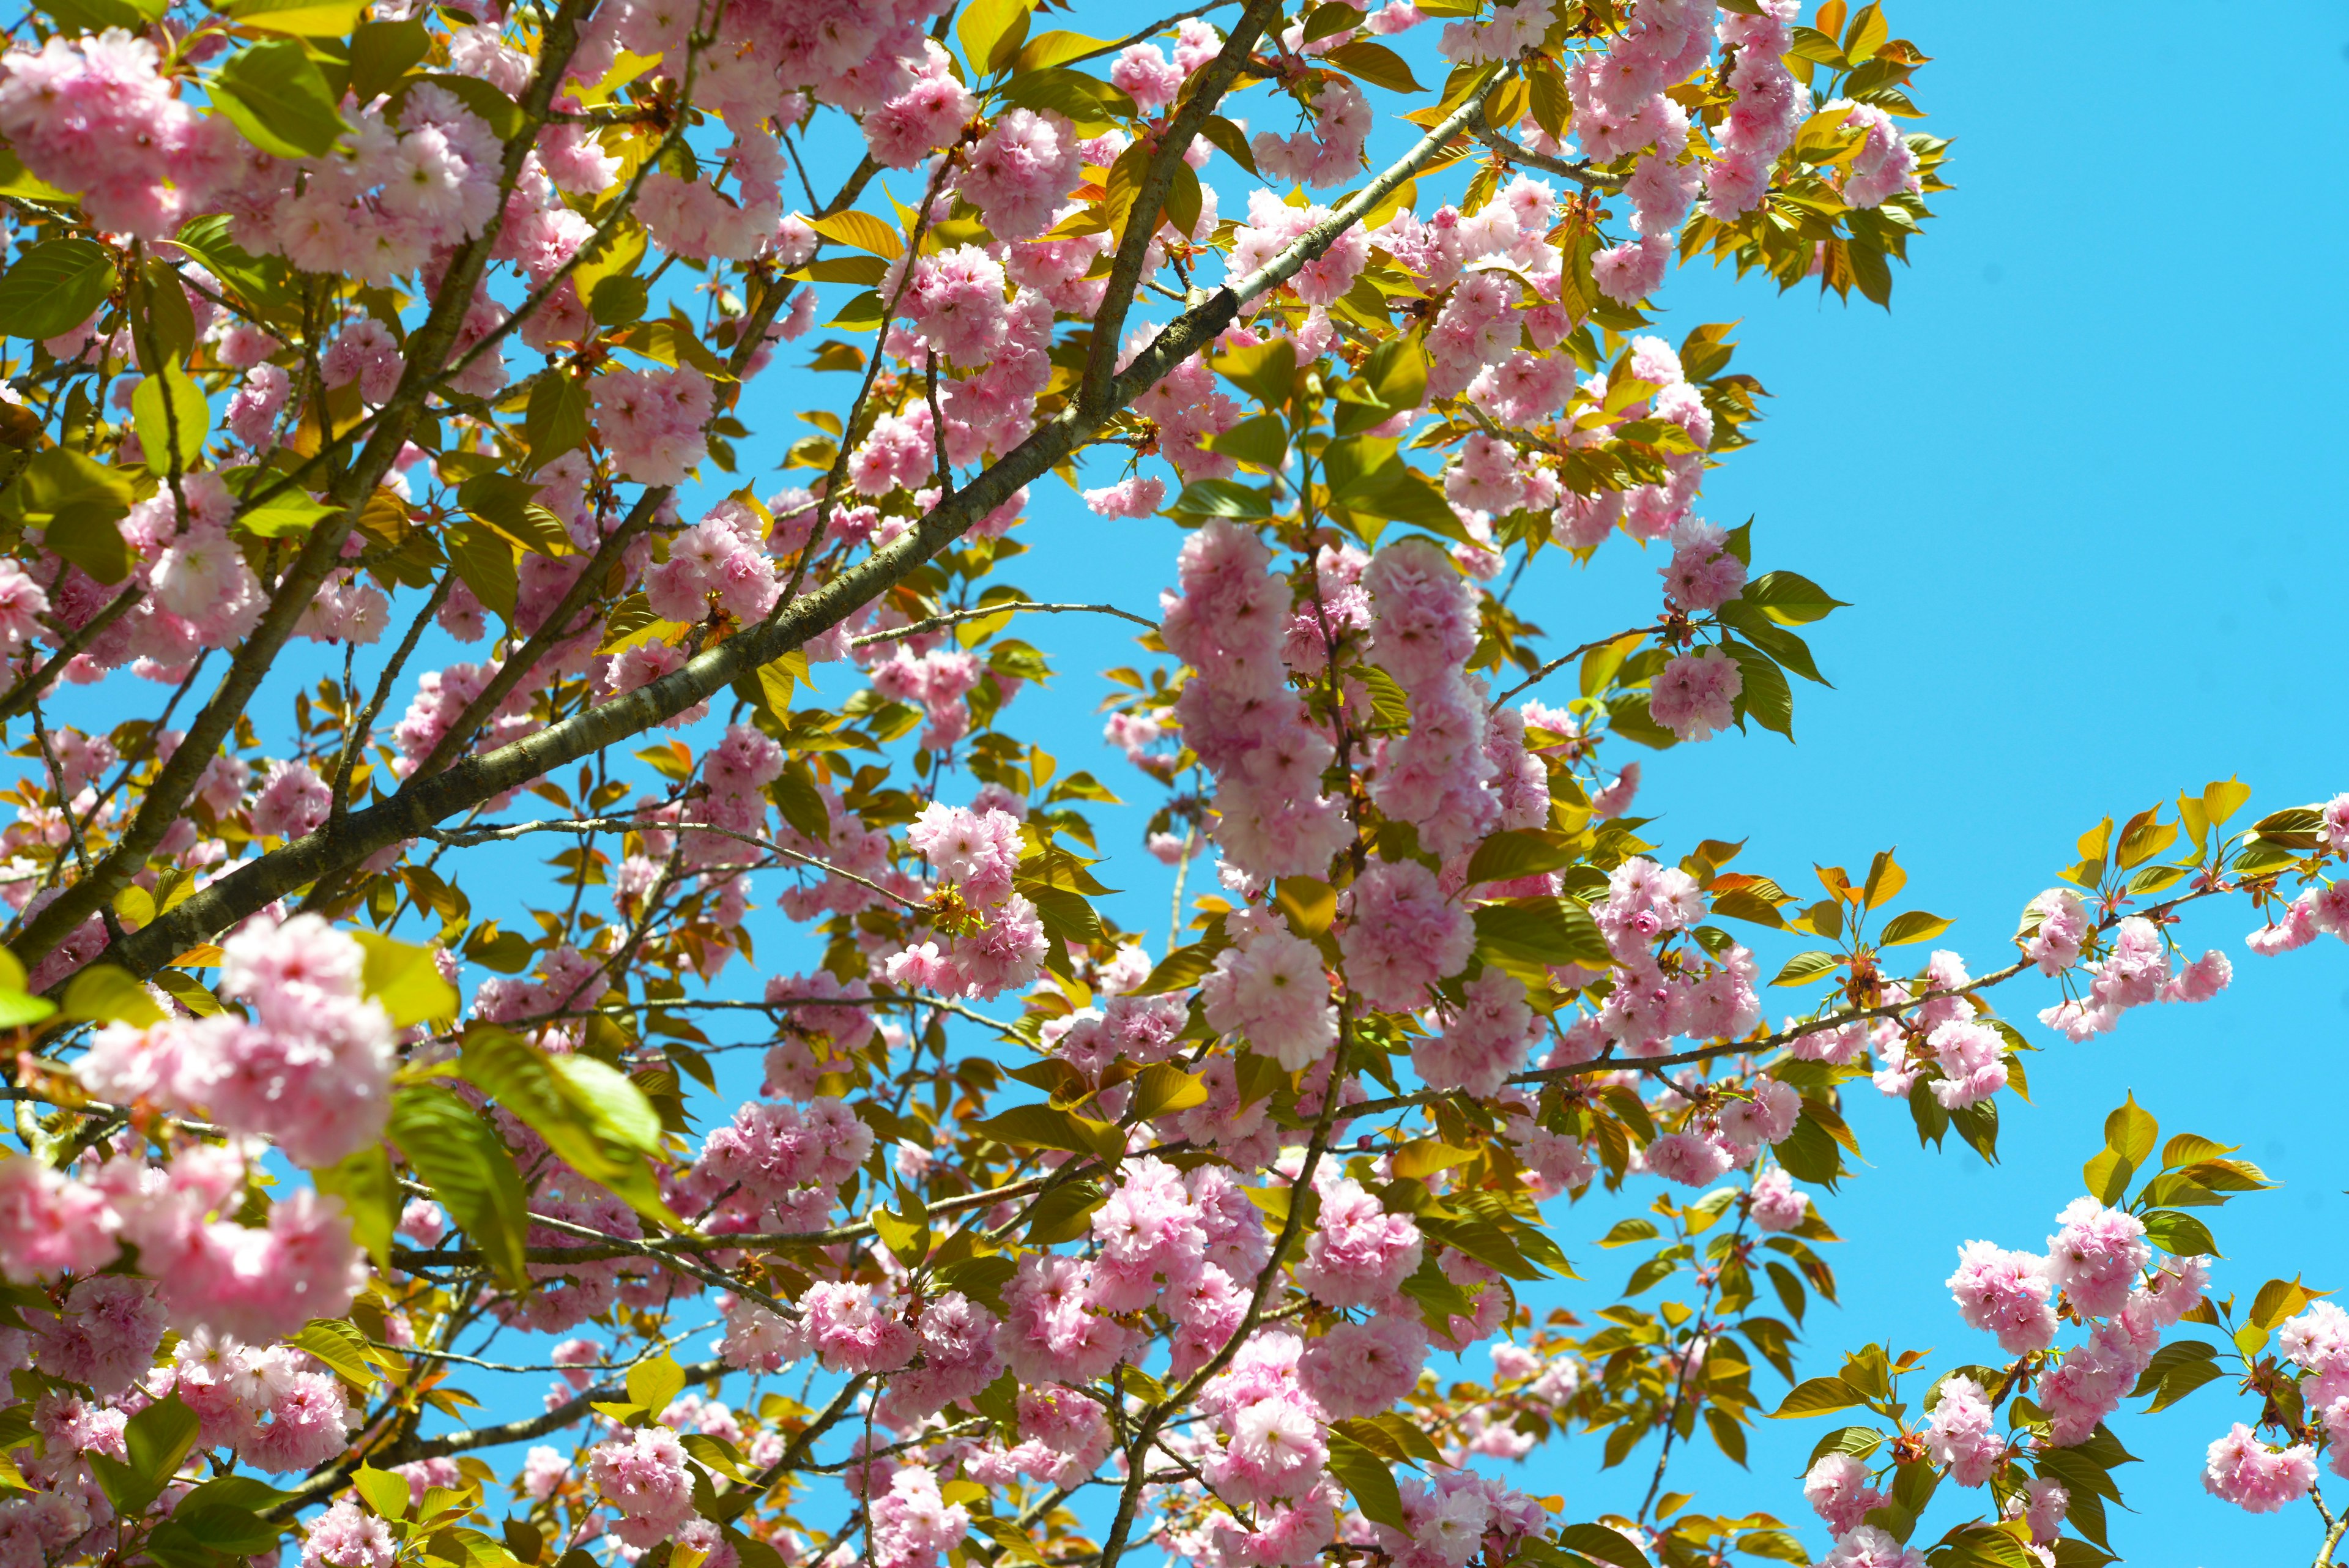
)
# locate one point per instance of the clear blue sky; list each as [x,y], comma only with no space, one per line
[2075,486]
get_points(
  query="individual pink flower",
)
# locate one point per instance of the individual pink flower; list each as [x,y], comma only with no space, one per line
[1962,1432]
[1272,990]
[2005,1292]
[1359,1254]
[1776,1203]
[1363,1368]
[1836,1489]
[642,1476]
[2255,1477]
[2095,1257]
[1693,695]
[1402,935]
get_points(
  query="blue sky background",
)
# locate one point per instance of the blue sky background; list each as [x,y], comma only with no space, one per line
[2077,487]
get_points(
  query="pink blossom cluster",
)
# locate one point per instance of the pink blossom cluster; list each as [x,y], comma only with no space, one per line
[721,561]
[1449,1517]
[1701,574]
[693,218]
[1438,776]
[1328,151]
[1643,511]
[2255,1477]
[929,113]
[652,421]
[2317,1342]
[94,116]
[1239,715]
[2134,971]
[1271,990]
[1139,1030]
[767,1155]
[1885,165]
[1402,935]
[311,1070]
[257,1283]
[1694,695]
[1770,107]
[1273,226]
[1188,408]
[277,1408]
[913,1523]
[2100,1261]
[977,853]
[642,1477]
[381,211]
[1020,172]
[1483,1040]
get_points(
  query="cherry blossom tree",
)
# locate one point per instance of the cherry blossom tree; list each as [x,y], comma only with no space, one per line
[407,350]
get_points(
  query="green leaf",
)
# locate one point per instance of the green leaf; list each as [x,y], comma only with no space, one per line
[382,53]
[1514,853]
[484,562]
[1373,63]
[2179,1235]
[1223,497]
[2107,1176]
[556,421]
[2131,1131]
[166,402]
[1912,925]
[1790,599]
[156,1440]
[104,993]
[470,1171]
[1546,931]
[370,1195]
[1366,1475]
[1181,968]
[226,1529]
[2280,1299]
[589,1112]
[1817,1395]
[405,981]
[385,1492]
[1042,1127]
[302,18]
[1064,1213]
[908,1238]
[1764,697]
[1627,1231]
[618,301]
[981,1278]
[500,113]
[653,1383]
[289,511]
[338,1344]
[991,32]
[1260,440]
[19,1007]
[1805,967]
[1605,1544]
[54,287]
[862,229]
[1064,914]
[274,94]
[1162,1087]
